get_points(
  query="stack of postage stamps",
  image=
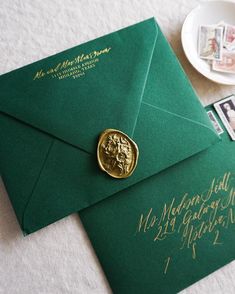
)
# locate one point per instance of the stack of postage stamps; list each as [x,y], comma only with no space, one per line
[217,46]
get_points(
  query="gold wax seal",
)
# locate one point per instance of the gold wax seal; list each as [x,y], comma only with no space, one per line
[117,154]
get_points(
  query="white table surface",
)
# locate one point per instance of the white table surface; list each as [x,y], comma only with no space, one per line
[59,258]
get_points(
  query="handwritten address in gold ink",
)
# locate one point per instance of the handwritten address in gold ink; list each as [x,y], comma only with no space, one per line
[73,68]
[193,217]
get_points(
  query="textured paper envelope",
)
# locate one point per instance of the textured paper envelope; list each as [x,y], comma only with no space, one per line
[53,111]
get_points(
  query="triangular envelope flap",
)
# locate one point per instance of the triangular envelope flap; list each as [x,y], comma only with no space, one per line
[76,94]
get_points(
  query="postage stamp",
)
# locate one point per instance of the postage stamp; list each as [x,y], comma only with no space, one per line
[229,37]
[222,25]
[226,111]
[210,42]
[215,122]
[227,64]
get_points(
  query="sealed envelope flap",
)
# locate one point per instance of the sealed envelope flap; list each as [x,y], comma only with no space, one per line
[132,83]
[76,94]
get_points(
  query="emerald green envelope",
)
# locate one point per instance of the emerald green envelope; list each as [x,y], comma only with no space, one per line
[172,229]
[53,111]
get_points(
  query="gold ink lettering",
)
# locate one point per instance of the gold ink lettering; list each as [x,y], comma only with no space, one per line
[167,264]
[146,222]
[194,251]
[39,74]
[216,238]
[87,61]
[166,211]
[194,217]
[159,235]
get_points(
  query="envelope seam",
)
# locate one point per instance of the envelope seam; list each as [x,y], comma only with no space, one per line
[145,81]
[36,182]
[177,115]
[55,137]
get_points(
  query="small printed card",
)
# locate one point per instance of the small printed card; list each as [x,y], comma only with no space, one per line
[226,111]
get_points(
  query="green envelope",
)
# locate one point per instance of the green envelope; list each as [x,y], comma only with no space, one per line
[53,111]
[167,232]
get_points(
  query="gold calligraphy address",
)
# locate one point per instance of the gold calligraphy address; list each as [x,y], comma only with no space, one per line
[194,217]
[71,67]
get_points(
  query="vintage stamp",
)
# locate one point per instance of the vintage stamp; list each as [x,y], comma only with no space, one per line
[210,42]
[226,111]
[222,25]
[215,122]
[229,37]
[227,64]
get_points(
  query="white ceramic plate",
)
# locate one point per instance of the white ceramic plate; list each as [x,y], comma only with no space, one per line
[207,13]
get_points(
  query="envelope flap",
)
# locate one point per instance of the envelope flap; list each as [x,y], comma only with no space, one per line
[76,94]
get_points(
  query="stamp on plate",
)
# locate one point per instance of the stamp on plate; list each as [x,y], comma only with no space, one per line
[227,64]
[226,111]
[215,122]
[222,25]
[229,37]
[210,42]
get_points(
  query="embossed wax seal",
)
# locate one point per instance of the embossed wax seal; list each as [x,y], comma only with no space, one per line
[117,154]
